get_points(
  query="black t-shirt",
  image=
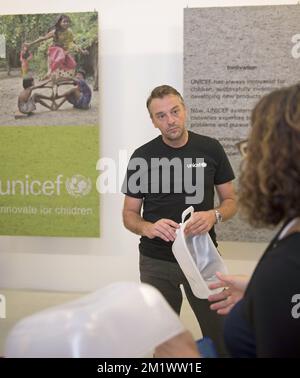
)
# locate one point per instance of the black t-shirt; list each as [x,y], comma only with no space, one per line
[171,179]
[262,323]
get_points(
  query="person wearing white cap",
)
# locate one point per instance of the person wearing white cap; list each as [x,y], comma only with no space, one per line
[122,320]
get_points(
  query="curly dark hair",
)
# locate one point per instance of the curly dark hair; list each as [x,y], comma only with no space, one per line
[270,175]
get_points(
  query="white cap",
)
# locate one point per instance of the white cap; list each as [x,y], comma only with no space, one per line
[125,319]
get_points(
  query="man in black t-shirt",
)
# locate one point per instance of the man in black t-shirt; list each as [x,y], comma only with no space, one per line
[165,176]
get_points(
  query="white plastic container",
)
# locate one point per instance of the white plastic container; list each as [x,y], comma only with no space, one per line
[198,258]
[122,320]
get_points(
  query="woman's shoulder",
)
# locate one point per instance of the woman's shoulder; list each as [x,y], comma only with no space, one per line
[268,303]
[285,248]
[281,260]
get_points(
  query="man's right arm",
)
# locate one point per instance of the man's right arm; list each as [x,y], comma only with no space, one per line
[163,228]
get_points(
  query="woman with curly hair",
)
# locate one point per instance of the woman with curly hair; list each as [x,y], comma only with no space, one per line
[264,312]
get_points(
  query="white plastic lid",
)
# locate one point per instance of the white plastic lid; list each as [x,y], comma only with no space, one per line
[125,319]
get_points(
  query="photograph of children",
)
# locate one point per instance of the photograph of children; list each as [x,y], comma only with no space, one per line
[49,125]
[49,75]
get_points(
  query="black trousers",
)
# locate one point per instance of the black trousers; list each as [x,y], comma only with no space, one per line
[167,277]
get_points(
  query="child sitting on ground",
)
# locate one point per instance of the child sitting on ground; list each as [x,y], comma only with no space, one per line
[27,100]
[79,97]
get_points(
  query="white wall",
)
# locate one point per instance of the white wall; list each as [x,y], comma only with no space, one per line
[141,46]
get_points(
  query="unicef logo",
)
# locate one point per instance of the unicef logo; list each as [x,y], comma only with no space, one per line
[78,185]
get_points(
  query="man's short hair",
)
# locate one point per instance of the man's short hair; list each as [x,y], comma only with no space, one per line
[162,91]
[27,82]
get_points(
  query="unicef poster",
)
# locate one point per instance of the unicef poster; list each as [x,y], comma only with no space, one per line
[49,124]
[232,57]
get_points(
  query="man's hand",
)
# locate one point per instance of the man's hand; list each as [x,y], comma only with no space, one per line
[163,228]
[200,222]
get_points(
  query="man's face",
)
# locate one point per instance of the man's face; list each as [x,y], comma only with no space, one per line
[168,114]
